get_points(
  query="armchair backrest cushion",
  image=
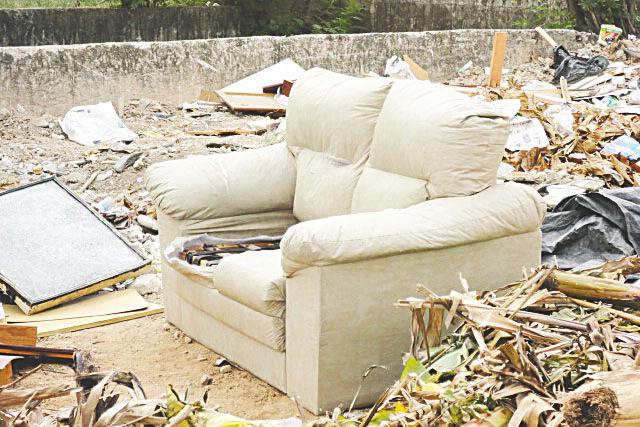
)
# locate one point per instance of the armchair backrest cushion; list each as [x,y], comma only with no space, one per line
[441,141]
[330,125]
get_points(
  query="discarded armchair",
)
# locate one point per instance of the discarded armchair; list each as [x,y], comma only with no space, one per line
[381,185]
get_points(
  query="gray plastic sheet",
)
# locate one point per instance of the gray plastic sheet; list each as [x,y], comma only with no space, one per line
[589,229]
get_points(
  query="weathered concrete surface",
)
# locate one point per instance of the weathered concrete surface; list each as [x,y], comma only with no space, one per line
[54,78]
[32,27]
[426,15]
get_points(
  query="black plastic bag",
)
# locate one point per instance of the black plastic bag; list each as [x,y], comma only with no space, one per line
[574,68]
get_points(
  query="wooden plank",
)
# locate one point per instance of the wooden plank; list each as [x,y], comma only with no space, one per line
[590,82]
[224,132]
[564,90]
[546,37]
[18,335]
[58,354]
[497,58]
[419,72]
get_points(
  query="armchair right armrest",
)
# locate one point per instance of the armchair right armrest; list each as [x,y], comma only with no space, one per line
[224,185]
[499,211]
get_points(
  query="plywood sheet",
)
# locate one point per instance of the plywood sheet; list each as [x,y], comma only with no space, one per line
[252,102]
[52,327]
[95,305]
[53,244]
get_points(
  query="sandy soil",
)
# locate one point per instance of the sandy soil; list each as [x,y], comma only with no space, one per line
[33,146]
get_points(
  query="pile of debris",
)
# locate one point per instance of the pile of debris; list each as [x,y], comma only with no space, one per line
[555,349]
[115,398]
[581,129]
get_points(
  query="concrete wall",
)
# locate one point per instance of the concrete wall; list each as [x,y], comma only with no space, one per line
[54,78]
[32,27]
[425,15]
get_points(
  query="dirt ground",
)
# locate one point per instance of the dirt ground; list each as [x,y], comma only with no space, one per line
[33,146]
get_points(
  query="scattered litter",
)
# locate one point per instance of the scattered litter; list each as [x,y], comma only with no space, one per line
[275,74]
[466,67]
[561,118]
[609,34]
[572,67]
[147,223]
[126,161]
[397,68]
[526,134]
[94,124]
[624,146]
[221,361]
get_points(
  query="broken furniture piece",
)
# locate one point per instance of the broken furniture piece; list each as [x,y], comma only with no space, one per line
[56,248]
[396,185]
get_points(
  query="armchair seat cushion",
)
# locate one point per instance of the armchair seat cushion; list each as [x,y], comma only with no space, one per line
[254,279]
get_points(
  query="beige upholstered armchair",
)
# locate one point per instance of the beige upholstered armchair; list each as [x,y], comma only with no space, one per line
[380,185]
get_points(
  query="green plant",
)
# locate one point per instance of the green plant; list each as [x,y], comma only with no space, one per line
[337,18]
[547,16]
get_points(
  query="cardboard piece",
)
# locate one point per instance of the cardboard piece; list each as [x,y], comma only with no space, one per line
[6,369]
[417,71]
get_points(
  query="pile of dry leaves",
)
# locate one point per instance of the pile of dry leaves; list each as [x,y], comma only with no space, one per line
[556,349]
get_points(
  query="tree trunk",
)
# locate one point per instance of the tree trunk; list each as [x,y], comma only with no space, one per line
[626,16]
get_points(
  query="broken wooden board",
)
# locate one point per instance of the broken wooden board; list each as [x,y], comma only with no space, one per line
[18,335]
[51,253]
[102,304]
[497,58]
[226,132]
[252,102]
[6,369]
[53,327]
[209,96]
[417,71]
